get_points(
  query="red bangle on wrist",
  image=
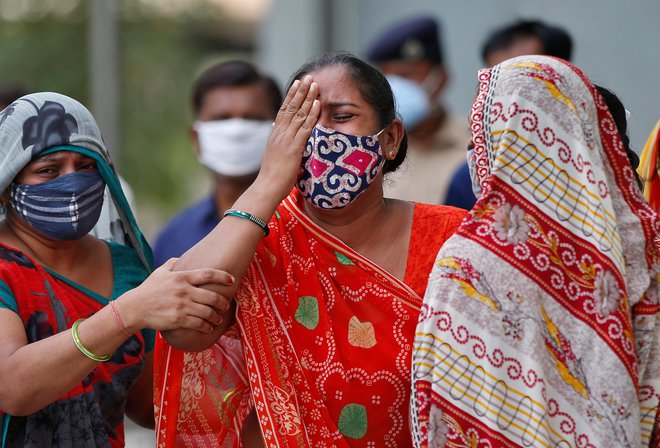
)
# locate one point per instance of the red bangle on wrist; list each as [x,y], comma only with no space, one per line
[118,321]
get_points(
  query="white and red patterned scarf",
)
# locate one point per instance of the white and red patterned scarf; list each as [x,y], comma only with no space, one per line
[541,324]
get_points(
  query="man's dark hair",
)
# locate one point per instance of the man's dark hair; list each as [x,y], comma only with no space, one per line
[555,41]
[233,74]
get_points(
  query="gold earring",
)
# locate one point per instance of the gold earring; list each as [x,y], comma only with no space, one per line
[392,153]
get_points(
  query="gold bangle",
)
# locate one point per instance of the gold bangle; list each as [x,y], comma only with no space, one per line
[84,350]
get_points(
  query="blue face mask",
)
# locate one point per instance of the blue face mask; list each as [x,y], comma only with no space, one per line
[412,101]
[65,208]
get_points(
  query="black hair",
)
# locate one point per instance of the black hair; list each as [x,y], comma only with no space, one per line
[232,74]
[371,84]
[555,41]
[618,112]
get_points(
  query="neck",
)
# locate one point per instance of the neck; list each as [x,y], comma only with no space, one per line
[358,223]
[227,190]
[60,256]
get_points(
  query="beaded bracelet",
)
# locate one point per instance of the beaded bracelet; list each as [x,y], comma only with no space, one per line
[84,350]
[245,215]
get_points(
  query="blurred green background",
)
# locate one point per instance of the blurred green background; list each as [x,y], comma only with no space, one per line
[162,47]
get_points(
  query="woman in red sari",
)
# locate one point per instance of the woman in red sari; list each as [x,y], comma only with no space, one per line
[77,312]
[325,316]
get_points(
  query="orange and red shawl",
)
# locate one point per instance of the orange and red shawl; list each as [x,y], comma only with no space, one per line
[326,338]
[540,324]
[649,168]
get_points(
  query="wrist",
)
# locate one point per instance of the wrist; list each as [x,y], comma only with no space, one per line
[260,200]
[126,314]
[275,188]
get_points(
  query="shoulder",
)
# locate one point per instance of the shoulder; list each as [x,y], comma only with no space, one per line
[13,266]
[431,212]
[10,257]
[122,253]
[436,222]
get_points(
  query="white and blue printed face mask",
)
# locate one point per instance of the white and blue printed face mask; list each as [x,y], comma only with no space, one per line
[338,167]
[65,208]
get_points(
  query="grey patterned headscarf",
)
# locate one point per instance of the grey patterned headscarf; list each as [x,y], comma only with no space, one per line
[37,122]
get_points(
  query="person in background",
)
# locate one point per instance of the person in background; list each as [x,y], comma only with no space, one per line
[75,315]
[541,322]
[318,349]
[234,106]
[649,168]
[526,37]
[412,50]
[517,39]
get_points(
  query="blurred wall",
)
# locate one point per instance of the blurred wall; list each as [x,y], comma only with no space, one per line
[615,43]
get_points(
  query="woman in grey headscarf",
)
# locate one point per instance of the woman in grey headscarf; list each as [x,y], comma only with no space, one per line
[75,351]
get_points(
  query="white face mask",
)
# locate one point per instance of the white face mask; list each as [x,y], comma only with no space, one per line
[232,147]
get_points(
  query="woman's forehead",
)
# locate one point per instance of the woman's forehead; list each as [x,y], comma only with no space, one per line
[61,155]
[336,85]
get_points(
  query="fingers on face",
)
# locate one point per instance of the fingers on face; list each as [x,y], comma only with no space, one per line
[309,122]
[308,103]
[289,96]
[299,103]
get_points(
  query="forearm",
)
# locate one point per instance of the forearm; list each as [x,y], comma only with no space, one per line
[230,247]
[39,373]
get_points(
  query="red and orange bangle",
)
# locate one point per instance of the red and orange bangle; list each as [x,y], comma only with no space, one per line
[118,320]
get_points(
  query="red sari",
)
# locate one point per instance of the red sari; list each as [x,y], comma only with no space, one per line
[326,340]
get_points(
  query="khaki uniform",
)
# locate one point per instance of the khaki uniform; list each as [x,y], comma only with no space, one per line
[425,174]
